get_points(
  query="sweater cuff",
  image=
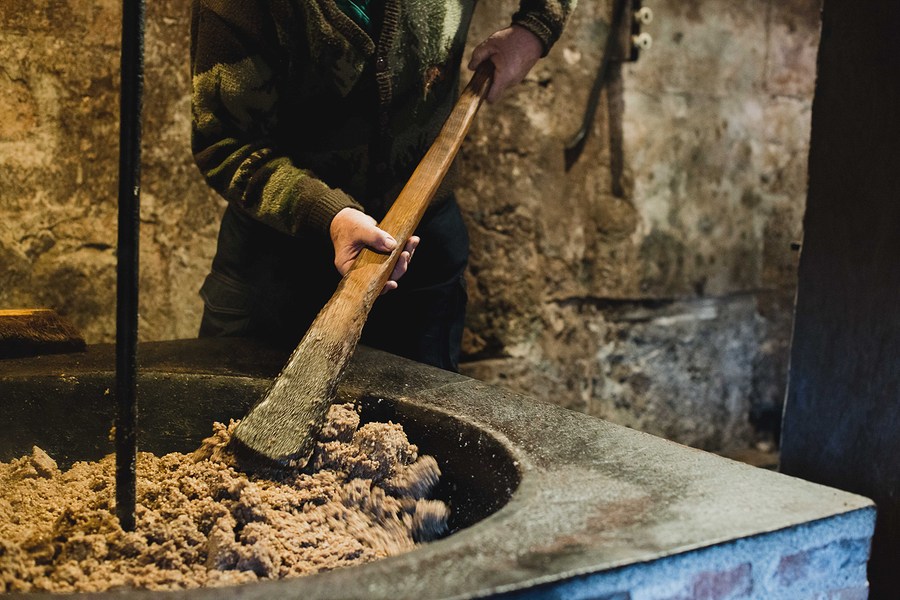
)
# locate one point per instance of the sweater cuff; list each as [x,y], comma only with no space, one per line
[327,206]
[536,25]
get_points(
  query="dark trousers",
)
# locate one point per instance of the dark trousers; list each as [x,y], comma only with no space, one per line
[270,286]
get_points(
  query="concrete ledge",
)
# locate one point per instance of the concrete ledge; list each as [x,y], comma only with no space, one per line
[601,511]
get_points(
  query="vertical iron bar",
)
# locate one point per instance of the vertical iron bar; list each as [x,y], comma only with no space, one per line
[132,75]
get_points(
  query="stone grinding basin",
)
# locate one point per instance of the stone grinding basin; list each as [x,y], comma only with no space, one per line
[70,415]
[546,502]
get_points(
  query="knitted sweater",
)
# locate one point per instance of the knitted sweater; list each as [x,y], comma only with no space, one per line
[298,112]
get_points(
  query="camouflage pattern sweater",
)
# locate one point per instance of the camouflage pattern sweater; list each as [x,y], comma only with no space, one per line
[297,112]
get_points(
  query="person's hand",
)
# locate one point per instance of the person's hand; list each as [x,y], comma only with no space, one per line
[352,230]
[402,264]
[513,51]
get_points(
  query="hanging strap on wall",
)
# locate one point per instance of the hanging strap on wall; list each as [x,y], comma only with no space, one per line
[639,41]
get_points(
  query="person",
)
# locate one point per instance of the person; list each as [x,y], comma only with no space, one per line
[308,117]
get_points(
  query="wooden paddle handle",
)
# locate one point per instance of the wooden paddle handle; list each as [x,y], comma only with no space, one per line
[371,270]
[282,426]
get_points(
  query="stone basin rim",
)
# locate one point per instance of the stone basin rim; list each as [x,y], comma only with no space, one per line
[572,463]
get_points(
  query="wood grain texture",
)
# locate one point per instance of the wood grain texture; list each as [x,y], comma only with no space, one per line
[35,331]
[282,426]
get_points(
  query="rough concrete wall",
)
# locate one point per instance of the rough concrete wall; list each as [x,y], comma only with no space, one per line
[59,79]
[652,284]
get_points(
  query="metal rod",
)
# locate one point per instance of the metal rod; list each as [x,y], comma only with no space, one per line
[132,75]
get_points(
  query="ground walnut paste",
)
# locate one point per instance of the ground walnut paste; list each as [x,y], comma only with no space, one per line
[200,522]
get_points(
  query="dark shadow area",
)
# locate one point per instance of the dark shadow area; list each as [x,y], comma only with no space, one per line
[842,416]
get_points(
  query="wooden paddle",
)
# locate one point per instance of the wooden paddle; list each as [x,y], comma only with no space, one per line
[282,427]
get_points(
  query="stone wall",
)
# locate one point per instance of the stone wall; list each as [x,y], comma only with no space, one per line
[59,117]
[652,284]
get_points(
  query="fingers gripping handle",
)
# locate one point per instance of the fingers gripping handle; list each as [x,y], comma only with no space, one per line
[407,210]
[481,81]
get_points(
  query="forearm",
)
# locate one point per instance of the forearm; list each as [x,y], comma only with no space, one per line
[235,119]
[266,184]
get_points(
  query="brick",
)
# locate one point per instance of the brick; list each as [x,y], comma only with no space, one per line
[852,593]
[724,585]
[822,562]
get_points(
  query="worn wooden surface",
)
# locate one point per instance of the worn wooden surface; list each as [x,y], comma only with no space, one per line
[34,331]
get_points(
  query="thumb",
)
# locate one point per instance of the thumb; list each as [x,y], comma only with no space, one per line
[480,54]
[378,239]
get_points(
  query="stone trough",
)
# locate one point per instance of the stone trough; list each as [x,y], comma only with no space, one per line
[547,503]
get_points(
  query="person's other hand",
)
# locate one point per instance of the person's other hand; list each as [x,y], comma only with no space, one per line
[513,51]
[352,230]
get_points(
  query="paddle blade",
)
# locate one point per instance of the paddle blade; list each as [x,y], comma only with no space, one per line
[282,428]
